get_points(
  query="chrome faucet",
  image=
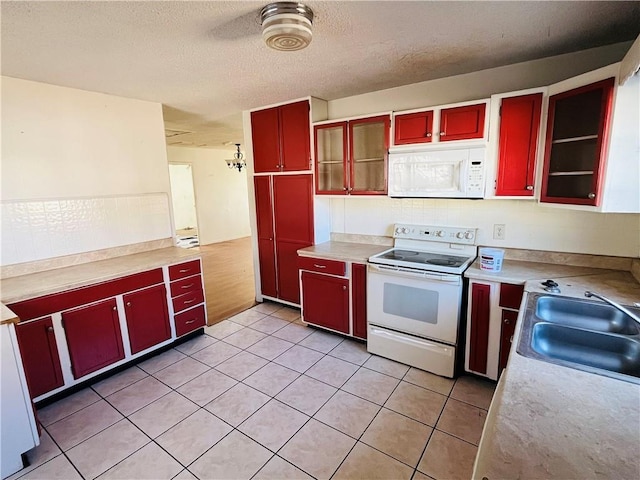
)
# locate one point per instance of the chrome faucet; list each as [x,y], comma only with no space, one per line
[624,310]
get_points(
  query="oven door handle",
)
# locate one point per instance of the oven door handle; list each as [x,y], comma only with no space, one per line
[403,272]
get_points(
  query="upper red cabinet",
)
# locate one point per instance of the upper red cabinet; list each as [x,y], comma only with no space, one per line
[280,137]
[351,156]
[462,123]
[440,124]
[518,134]
[576,143]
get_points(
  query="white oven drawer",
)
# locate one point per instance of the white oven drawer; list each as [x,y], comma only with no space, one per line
[417,352]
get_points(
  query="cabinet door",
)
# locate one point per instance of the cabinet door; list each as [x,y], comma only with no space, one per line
[331,158]
[519,127]
[266,140]
[462,123]
[325,301]
[413,128]
[93,337]
[479,337]
[40,358]
[266,242]
[507,329]
[368,151]
[576,143]
[147,317]
[294,136]
[359,300]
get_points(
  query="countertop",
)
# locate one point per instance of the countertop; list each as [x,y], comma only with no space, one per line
[551,421]
[15,289]
[345,251]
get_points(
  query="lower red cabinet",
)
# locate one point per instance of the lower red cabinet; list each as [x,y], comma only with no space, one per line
[41,361]
[325,301]
[359,300]
[147,317]
[507,330]
[479,338]
[190,320]
[93,337]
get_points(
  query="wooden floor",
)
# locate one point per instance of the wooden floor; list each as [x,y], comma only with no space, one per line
[228,278]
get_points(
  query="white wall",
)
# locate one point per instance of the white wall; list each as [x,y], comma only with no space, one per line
[222,203]
[81,171]
[528,225]
[182,196]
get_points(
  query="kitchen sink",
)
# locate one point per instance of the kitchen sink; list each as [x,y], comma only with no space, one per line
[581,334]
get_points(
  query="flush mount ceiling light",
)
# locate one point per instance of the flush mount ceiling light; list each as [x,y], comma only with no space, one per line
[237,161]
[286,25]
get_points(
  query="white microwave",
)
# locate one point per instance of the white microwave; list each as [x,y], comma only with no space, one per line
[455,173]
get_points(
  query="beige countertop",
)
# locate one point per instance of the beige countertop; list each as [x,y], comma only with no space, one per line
[6,315]
[345,251]
[551,421]
[15,289]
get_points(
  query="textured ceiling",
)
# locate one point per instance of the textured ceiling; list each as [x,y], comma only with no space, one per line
[205,60]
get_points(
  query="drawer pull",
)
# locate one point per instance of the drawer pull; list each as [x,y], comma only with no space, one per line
[50,329]
[190,301]
[190,321]
[187,286]
[128,304]
[319,266]
[185,270]
[115,308]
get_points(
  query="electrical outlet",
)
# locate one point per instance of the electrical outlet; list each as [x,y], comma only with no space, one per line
[498,231]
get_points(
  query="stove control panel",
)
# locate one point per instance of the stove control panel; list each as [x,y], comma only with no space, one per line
[434,233]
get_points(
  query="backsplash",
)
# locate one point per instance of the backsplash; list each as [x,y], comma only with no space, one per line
[44,229]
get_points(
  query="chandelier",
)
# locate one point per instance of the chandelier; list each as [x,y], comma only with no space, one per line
[238,160]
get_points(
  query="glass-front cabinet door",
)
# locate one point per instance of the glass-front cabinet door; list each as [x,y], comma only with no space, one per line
[331,158]
[576,144]
[368,148]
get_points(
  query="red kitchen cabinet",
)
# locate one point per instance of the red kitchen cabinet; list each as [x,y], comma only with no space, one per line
[147,317]
[40,358]
[284,211]
[507,330]
[93,337]
[479,338]
[190,320]
[325,301]
[462,123]
[518,140]
[413,128]
[359,300]
[351,156]
[280,137]
[576,143]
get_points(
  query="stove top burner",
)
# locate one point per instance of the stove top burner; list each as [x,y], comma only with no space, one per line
[445,262]
[399,255]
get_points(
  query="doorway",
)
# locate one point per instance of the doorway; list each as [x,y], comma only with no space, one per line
[184,204]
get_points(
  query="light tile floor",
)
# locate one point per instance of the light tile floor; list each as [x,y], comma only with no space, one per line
[263,396]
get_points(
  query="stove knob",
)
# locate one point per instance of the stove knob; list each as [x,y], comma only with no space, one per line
[459,235]
[398,230]
[468,235]
[440,233]
[405,230]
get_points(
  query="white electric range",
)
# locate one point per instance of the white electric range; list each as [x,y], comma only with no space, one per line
[414,296]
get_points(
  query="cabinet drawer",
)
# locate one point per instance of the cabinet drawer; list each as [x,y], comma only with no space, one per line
[186,285]
[184,269]
[187,300]
[511,295]
[190,320]
[319,265]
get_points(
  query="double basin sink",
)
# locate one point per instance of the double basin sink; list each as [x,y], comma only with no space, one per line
[581,334]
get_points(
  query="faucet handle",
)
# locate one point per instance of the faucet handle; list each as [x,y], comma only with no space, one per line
[550,283]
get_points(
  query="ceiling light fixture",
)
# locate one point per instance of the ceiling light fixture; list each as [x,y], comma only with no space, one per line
[286,25]
[237,161]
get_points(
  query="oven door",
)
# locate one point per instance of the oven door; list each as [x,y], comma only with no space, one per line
[419,303]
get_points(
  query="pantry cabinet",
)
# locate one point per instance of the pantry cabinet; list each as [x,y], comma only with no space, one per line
[42,364]
[576,144]
[334,295]
[284,216]
[465,121]
[147,317]
[518,136]
[280,137]
[93,337]
[351,156]
[491,317]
